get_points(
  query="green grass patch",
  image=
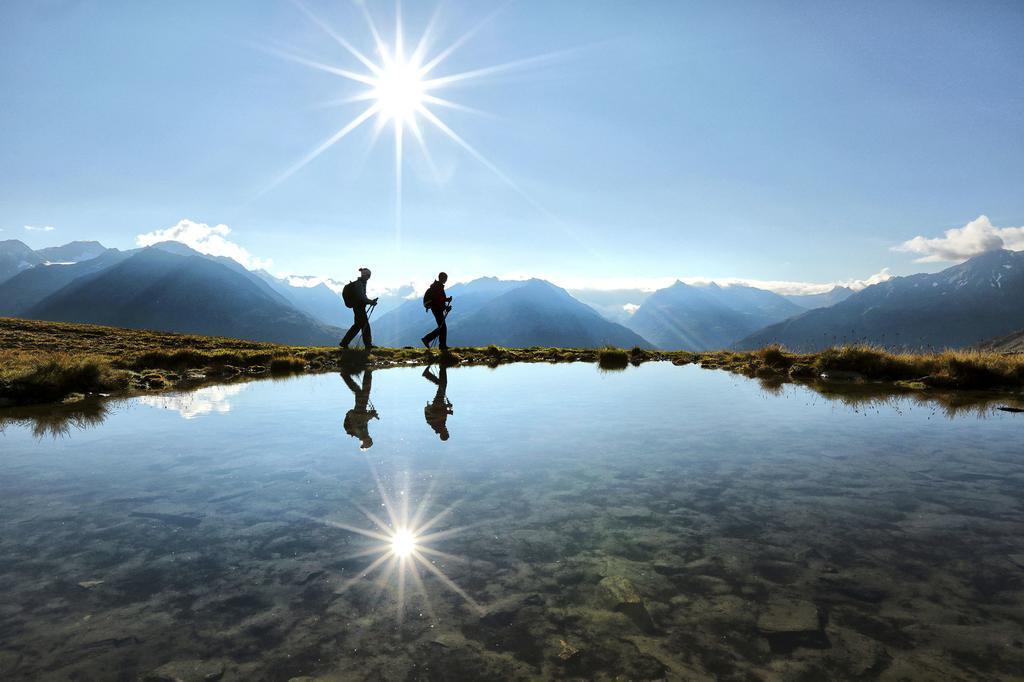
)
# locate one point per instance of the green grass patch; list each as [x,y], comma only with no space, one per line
[612,358]
[36,365]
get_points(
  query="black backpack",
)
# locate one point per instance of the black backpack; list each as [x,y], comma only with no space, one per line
[348,294]
[428,297]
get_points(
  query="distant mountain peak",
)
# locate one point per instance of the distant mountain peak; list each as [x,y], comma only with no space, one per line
[515,313]
[16,256]
[72,252]
[959,306]
[707,317]
[174,290]
[174,247]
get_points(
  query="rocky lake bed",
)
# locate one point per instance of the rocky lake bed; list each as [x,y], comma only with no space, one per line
[658,523]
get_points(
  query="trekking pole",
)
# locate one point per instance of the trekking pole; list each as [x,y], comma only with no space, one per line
[373,306]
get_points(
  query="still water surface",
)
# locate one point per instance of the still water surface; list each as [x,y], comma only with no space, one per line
[661,522]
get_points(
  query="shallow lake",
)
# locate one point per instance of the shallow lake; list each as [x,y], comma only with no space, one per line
[554,521]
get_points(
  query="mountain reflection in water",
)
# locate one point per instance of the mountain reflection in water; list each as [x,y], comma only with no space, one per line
[660,522]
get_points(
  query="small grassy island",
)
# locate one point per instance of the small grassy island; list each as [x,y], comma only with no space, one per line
[45,362]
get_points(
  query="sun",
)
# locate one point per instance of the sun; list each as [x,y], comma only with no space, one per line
[399,92]
[402,92]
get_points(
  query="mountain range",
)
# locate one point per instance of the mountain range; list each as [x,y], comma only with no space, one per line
[510,313]
[72,252]
[617,305]
[830,297]
[157,289]
[688,317]
[963,305]
[171,287]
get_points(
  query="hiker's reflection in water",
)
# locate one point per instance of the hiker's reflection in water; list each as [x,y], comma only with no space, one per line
[436,412]
[357,420]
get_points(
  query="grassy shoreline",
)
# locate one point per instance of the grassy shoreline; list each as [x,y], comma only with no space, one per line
[47,362]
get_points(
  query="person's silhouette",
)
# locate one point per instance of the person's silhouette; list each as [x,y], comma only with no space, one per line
[355,297]
[357,420]
[437,303]
[436,412]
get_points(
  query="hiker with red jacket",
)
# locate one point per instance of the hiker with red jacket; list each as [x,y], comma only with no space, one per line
[436,302]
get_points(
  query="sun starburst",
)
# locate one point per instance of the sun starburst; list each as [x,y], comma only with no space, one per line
[402,91]
[404,547]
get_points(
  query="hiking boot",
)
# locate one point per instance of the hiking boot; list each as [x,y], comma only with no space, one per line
[425,342]
[370,347]
[343,345]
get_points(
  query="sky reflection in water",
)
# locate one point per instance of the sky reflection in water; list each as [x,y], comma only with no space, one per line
[662,521]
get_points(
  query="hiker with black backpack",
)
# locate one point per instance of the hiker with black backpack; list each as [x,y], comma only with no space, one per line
[436,302]
[357,420]
[436,412]
[354,296]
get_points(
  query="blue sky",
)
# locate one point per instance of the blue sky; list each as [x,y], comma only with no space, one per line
[770,141]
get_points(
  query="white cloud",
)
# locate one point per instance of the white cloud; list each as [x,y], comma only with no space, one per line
[310,281]
[787,288]
[204,239]
[649,284]
[40,228]
[209,400]
[961,243]
[630,308]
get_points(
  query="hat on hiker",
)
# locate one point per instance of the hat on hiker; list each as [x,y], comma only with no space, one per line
[364,271]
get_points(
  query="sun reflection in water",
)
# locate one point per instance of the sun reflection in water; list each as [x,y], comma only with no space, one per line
[404,549]
[403,543]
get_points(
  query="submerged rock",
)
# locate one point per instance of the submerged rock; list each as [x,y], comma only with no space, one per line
[187,671]
[629,513]
[567,652]
[620,594]
[789,615]
[791,623]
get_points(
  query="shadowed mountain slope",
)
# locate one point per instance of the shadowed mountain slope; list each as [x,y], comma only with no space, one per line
[541,314]
[16,256]
[407,323]
[1011,343]
[157,289]
[29,287]
[979,299]
[688,317]
[319,301]
[508,313]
